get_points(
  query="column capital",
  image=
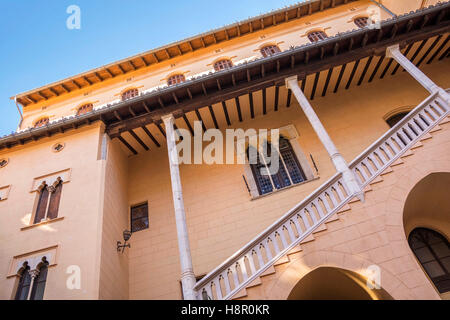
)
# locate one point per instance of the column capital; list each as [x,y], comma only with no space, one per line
[167,117]
[290,79]
[391,49]
[34,273]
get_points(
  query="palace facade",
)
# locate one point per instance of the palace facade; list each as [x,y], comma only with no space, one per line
[359,208]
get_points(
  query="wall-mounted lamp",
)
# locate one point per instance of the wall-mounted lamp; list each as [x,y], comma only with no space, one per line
[126,237]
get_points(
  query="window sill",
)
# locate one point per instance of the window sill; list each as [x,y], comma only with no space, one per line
[285,188]
[41,223]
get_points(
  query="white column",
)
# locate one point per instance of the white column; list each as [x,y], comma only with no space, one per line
[338,160]
[187,272]
[33,274]
[395,53]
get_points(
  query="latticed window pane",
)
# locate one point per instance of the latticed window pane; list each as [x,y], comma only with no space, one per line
[24,284]
[269,50]
[130,94]
[291,162]
[316,36]
[433,252]
[85,109]
[223,64]
[175,79]
[262,181]
[361,22]
[42,204]
[139,217]
[41,123]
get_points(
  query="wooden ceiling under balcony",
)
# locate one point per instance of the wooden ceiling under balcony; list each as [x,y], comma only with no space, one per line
[245,91]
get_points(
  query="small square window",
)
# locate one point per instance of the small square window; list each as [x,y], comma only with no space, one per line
[139,217]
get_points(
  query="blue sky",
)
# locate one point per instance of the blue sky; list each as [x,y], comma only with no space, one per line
[37,48]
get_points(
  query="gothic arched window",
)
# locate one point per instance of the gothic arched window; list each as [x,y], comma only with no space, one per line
[175,79]
[289,169]
[85,109]
[269,50]
[37,292]
[392,120]
[361,22]
[316,36]
[433,252]
[24,284]
[48,202]
[223,64]
[130,94]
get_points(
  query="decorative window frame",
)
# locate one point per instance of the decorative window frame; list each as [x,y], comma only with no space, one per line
[4,192]
[290,133]
[34,259]
[316,29]
[63,144]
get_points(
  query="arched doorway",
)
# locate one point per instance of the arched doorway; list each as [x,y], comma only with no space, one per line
[331,283]
[427,228]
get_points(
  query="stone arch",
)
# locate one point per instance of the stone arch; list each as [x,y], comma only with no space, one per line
[350,266]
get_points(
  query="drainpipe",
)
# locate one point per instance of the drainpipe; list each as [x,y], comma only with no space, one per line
[18,109]
[384,8]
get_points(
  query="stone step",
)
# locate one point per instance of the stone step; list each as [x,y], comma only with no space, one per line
[282,260]
[269,271]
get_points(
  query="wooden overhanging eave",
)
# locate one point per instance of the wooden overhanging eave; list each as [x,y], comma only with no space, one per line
[252,76]
[177,49]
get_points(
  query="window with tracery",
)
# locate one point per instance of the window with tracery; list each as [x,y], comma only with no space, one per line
[361,22]
[269,50]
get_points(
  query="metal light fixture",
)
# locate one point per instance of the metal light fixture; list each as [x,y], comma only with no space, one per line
[126,237]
